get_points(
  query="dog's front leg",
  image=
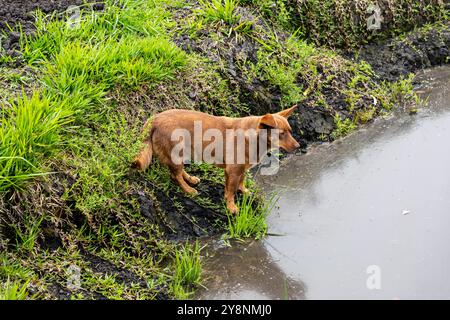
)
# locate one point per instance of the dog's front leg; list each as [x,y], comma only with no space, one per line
[233,175]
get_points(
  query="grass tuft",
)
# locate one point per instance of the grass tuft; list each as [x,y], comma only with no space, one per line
[188,270]
[13,291]
[251,220]
[343,127]
[219,11]
[29,131]
[26,240]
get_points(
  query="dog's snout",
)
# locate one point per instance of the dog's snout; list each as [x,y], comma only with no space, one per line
[294,144]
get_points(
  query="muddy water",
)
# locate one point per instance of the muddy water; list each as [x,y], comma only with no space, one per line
[365,217]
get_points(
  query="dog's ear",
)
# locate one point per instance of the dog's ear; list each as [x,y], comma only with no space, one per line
[267,120]
[287,112]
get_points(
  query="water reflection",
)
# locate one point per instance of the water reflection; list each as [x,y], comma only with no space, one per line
[247,271]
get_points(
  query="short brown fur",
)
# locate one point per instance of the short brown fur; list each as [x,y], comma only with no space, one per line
[159,142]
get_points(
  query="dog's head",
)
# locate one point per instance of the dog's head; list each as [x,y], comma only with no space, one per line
[277,123]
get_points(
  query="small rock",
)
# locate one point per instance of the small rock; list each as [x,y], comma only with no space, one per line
[192,94]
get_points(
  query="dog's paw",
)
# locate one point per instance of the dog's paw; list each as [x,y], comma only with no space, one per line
[191,191]
[244,190]
[233,209]
[194,180]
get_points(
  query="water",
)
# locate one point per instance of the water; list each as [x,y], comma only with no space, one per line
[377,201]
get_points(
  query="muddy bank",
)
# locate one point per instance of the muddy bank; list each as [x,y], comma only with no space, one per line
[179,216]
[21,12]
[350,24]
[420,49]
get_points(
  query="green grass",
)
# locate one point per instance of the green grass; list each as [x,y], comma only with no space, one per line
[140,18]
[188,270]
[106,285]
[12,269]
[251,220]
[14,278]
[13,290]
[26,240]
[268,7]
[280,63]
[364,116]
[127,62]
[219,11]
[79,66]
[402,90]
[28,133]
[392,94]
[343,127]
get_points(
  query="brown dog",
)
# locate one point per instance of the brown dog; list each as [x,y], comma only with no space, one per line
[191,132]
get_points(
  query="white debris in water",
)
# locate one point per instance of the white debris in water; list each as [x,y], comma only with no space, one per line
[405,212]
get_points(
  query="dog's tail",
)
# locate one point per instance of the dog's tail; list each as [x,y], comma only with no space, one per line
[143,160]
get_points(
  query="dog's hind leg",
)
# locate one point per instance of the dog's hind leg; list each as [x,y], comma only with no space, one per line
[176,173]
[190,179]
